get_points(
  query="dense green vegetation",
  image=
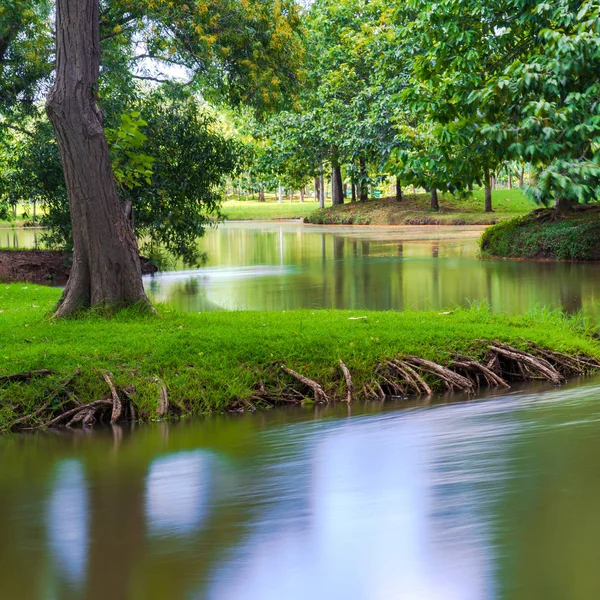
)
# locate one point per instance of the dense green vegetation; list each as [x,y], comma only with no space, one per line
[538,235]
[208,361]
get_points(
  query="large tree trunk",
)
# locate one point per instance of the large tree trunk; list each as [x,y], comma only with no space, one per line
[433,197]
[106,264]
[488,191]
[337,189]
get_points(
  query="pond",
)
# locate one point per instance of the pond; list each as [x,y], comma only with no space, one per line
[281,266]
[489,499]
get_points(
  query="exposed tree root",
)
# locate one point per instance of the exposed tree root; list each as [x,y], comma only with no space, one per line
[403,377]
[163,400]
[452,380]
[117,407]
[529,366]
[319,393]
[349,383]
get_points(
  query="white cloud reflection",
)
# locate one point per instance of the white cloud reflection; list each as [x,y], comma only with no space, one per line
[67,521]
[177,493]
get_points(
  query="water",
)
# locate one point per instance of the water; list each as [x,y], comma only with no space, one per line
[471,500]
[474,500]
[280,266]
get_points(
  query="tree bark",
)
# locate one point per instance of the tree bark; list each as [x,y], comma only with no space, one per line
[337,190]
[301,194]
[318,189]
[353,193]
[435,205]
[322,189]
[399,195]
[364,190]
[563,206]
[488,191]
[261,194]
[106,264]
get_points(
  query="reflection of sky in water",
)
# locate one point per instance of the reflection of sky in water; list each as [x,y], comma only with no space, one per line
[67,521]
[393,508]
[177,493]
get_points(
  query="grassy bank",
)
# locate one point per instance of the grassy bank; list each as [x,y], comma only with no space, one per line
[415,210]
[209,362]
[539,236]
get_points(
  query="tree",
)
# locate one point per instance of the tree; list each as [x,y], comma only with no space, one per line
[106,264]
[247,52]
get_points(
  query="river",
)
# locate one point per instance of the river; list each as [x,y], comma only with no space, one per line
[478,500]
[487,499]
[281,266]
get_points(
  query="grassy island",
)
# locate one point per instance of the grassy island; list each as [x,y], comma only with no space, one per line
[175,364]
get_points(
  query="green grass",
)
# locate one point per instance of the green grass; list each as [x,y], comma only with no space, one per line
[270,210]
[576,237]
[415,210]
[209,360]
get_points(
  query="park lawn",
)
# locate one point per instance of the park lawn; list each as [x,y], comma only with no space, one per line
[414,209]
[270,210]
[208,361]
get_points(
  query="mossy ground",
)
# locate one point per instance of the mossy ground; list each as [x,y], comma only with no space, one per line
[414,209]
[209,360]
[540,236]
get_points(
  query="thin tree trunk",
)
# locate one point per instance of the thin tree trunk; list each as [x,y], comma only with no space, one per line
[301,194]
[509,179]
[318,189]
[353,193]
[261,194]
[280,193]
[470,187]
[435,205]
[322,189]
[364,191]
[337,192]
[522,178]
[399,196]
[106,264]
[488,191]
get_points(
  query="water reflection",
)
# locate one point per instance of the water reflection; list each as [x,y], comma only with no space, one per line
[285,266]
[67,522]
[177,493]
[477,500]
[280,266]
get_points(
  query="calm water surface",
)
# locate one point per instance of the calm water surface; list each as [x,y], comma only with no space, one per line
[471,501]
[278,266]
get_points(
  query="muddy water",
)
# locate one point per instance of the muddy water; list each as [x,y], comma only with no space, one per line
[279,266]
[487,499]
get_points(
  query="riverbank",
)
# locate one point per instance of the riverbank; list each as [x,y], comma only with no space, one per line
[177,364]
[415,209]
[44,266]
[540,235]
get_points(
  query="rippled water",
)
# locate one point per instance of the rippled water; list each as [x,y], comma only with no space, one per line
[279,266]
[470,501]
